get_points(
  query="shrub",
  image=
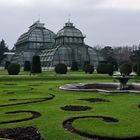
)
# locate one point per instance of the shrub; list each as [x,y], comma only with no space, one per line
[105,68]
[138,69]
[61,68]
[7,63]
[135,68]
[126,69]
[110,69]
[113,61]
[13,69]
[27,66]
[85,63]
[36,65]
[74,66]
[102,68]
[89,69]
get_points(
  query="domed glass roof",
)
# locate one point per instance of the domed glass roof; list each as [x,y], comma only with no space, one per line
[37,33]
[69,31]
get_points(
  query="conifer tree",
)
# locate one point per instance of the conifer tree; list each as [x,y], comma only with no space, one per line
[36,65]
[3,48]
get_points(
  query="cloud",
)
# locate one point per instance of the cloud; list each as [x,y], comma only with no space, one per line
[103,21]
[84,4]
[14,3]
[120,4]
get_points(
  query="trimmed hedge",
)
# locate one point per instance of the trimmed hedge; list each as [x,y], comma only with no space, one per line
[61,68]
[110,69]
[27,66]
[102,68]
[36,65]
[89,69]
[126,69]
[74,66]
[136,68]
[105,68]
[13,69]
[7,63]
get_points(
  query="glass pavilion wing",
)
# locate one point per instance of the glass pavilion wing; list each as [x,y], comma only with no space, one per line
[95,56]
[23,38]
[47,57]
[63,55]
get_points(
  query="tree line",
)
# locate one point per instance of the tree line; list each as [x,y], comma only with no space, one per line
[120,55]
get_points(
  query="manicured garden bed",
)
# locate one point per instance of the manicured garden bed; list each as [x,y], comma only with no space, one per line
[39,98]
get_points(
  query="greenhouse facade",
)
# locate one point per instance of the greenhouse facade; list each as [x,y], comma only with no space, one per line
[67,46]
[32,42]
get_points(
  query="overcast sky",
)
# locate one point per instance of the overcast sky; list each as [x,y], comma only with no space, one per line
[104,22]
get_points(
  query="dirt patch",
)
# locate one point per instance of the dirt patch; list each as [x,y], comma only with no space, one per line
[34,85]
[8,84]
[94,100]
[21,133]
[31,88]
[26,99]
[68,126]
[10,92]
[34,115]
[36,100]
[75,108]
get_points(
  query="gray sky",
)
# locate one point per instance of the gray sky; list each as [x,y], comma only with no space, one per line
[104,22]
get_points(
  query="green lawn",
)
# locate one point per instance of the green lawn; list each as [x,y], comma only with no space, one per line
[123,107]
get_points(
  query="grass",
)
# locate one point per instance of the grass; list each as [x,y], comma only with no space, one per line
[124,107]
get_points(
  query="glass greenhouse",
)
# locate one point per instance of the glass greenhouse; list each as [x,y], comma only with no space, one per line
[67,46]
[30,43]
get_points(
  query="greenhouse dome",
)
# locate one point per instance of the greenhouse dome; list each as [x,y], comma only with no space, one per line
[69,30]
[33,41]
[36,37]
[69,47]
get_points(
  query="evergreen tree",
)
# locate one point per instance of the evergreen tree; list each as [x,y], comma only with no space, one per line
[36,65]
[138,67]
[135,57]
[3,48]
[74,66]
[89,69]
[7,63]
[27,66]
